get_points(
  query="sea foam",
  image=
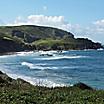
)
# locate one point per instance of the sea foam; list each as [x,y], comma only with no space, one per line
[58,57]
[36,81]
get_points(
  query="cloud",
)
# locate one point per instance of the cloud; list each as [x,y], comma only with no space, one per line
[42,20]
[94,31]
[99,26]
[95,28]
[99,23]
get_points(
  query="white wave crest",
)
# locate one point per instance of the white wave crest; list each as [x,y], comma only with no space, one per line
[37,66]
[4,56]
[100,49]
[60,57]
[32,66]
[8,55]
[24,53]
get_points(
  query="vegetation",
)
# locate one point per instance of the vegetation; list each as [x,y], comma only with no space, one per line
[21,92]
[21,38]
[65,44]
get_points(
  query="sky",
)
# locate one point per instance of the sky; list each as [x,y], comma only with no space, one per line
[84,18]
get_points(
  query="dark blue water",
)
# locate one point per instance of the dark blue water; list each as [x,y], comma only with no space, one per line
[60,69]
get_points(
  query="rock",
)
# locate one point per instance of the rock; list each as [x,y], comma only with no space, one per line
[83,86]
[1,72]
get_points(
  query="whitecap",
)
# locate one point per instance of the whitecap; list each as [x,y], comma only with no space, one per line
[47,52]
[24,53]
[8,55]
[60,57]
[32,66]
[37,66]
[4,56]
[100,49]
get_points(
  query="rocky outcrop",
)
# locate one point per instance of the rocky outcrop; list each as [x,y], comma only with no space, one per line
[83,86]
[9,46]
[13,46]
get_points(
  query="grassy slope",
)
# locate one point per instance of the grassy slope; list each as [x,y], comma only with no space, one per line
[27,94]
[21,92]
[63,43]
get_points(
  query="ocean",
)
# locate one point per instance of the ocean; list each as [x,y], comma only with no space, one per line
[52,68]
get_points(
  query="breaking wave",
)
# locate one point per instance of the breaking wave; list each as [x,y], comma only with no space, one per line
[61,57]
[36,81]
[37,66]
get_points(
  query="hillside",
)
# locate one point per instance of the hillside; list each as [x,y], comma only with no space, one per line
[28,37]
[21,92]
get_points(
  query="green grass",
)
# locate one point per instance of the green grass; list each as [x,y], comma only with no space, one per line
[48,42]
[20,92]
[41,95]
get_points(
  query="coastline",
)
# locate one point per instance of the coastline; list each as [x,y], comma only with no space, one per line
[29,65]
[26,51]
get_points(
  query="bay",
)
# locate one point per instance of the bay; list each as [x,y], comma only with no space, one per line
[52,68]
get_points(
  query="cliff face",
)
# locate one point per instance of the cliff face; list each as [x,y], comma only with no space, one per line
[21,38]
[9,46]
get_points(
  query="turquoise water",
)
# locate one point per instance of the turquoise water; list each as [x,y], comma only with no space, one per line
[57,69]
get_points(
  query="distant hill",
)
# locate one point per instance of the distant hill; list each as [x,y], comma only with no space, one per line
[29,37]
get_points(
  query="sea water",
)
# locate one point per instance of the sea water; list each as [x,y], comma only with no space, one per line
[52,68]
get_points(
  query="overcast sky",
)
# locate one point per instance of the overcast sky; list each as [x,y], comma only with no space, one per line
[84,18]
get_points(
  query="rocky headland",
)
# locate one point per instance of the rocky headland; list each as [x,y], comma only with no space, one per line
[29,37]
